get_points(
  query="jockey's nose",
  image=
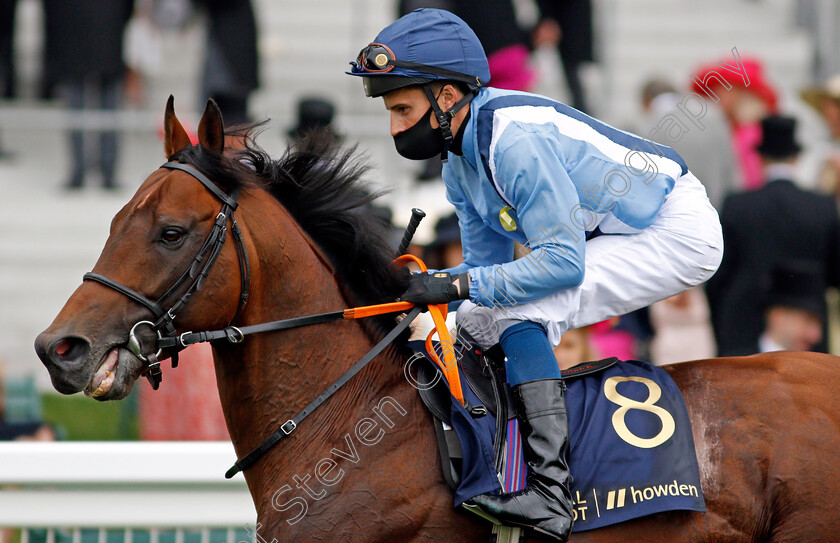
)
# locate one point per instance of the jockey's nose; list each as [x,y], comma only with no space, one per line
[396,126]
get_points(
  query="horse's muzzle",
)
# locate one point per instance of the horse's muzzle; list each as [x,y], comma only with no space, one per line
[65,358]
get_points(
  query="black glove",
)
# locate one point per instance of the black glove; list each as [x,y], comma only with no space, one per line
[436,288]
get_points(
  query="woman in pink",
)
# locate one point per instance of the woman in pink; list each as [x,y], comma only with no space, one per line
[745,100]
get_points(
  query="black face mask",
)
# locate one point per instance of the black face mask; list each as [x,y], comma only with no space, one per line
[420,141]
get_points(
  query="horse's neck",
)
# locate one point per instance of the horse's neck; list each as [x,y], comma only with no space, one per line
[285,371]
[271,377]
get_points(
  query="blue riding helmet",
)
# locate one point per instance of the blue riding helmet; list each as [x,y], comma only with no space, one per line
[422,46]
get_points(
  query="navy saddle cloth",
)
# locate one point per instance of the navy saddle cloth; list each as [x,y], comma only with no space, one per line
[632,451]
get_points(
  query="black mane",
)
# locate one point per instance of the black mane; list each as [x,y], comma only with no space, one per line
[322,186]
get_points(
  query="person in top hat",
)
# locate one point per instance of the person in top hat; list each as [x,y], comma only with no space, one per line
[778,141]
[763,229]
[445,250]
[796,309]
[313,113]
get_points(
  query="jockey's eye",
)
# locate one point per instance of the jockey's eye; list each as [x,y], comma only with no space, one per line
[171,236]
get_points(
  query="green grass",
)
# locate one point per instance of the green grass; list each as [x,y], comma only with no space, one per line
[79,418]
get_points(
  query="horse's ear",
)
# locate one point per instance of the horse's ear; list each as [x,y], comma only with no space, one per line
[175,137]
[211,128]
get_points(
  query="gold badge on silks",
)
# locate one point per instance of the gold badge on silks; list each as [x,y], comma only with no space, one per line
[507,220]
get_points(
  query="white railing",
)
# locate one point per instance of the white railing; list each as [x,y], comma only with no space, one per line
[176,488]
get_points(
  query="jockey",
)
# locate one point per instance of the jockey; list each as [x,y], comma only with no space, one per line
[609,223]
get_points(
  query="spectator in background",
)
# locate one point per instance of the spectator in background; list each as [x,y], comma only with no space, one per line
[313,113]
[231,64]
[826,100]
[568,25]
[745,99]
[445,251]
[609,337]
[706,149]
[795,315]
[386,215]
[7,56]
[820,19]
[84,58]
[575,347]
[26,430]
[682,328]
[762,229]
[29,431]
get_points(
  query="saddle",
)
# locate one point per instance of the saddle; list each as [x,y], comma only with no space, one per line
[631,446]
[483,374]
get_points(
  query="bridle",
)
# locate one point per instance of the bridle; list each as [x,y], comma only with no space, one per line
[193,276]
[168,338]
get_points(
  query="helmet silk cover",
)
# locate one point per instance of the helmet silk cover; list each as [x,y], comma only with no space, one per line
[435,38]
[427,45]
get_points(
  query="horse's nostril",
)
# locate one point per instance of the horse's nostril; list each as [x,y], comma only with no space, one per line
[63,347]
[71,349]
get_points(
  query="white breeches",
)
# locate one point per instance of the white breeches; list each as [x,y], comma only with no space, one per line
[681,249]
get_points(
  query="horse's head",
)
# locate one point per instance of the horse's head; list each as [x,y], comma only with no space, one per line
[148,265]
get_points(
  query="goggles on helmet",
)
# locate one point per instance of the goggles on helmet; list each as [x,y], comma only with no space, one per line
[377,58]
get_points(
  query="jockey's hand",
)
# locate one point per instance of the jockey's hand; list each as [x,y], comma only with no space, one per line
[436,288]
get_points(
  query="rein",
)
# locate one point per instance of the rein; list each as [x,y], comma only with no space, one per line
[246,461]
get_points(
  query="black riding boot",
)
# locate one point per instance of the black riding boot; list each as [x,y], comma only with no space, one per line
[545,504]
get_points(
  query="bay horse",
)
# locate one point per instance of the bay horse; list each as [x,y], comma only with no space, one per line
[364,466]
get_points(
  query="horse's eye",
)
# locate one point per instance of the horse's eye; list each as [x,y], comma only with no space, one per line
[171,236]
